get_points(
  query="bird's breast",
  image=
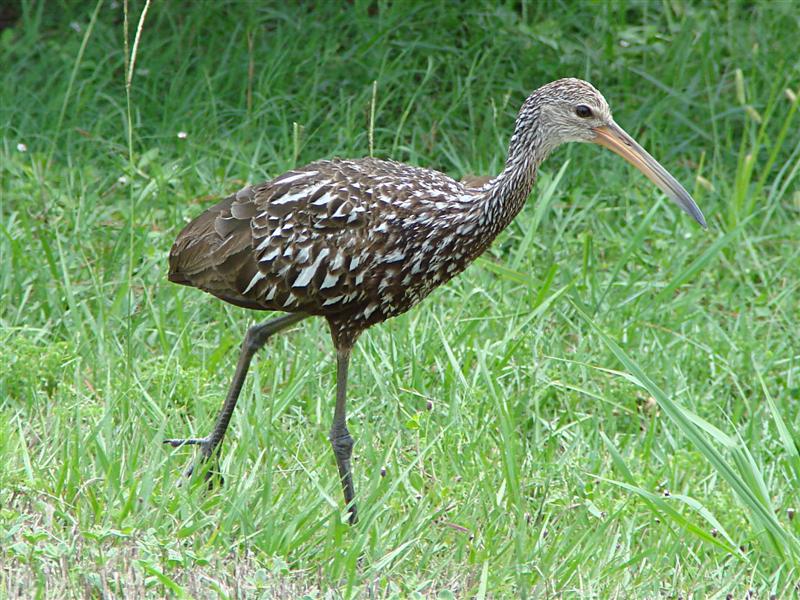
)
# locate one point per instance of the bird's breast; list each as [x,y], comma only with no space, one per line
[410,266]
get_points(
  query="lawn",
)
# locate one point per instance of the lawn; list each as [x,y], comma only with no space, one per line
[604,405]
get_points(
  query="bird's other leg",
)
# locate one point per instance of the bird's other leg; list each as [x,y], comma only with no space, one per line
[254,340]
[340,437]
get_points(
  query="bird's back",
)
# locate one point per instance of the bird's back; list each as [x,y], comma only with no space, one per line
[364,238]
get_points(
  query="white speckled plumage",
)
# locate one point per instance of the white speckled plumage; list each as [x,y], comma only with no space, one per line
[357,241]
[338,236]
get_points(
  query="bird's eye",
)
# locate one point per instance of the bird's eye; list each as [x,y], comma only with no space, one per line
[583,111]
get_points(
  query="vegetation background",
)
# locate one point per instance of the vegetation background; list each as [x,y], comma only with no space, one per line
[605,405]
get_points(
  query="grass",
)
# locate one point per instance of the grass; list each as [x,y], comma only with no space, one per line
[605,405]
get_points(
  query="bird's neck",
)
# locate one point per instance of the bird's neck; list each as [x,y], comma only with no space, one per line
[504,196]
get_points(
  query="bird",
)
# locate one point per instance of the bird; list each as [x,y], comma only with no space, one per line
[360,241]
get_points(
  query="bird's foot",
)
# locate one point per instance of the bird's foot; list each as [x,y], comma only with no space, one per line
[211,474]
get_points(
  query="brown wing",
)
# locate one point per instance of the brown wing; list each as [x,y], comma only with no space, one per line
[287,244]
[214,252]
[308,227]
[331,238]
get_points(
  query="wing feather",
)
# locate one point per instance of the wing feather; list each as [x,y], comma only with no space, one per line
[319,239]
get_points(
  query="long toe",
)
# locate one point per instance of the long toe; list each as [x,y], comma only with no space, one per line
[177,443]
[214,477]
[211,474]
[187,474]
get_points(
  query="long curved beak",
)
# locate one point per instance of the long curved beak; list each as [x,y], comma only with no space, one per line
[613,137]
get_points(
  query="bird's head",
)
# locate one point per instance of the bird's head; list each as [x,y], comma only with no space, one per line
[572,110]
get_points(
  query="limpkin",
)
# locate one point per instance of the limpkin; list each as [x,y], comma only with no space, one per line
[359,241]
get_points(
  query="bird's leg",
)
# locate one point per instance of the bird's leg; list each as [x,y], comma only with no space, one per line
[340,437]
[255,339]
